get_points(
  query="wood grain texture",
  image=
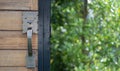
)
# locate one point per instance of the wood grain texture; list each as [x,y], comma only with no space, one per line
[16,40]
[18,4]
[15,58]
[16,69]
[10,20]
[13,43]
[34,5]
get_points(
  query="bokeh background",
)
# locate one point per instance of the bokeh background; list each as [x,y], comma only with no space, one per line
[85,35]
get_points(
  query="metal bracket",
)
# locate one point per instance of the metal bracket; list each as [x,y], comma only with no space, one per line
[30,61]
[30,19]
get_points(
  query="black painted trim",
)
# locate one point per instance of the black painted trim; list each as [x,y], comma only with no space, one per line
[44,35]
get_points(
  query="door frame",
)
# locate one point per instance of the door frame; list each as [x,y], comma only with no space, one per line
[44,31]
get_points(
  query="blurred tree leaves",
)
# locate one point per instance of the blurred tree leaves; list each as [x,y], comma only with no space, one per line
[102,36]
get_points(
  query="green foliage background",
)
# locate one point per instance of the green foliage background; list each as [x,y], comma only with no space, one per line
[101,49]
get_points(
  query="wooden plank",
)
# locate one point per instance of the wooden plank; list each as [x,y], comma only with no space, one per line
[34,5]
[15,40]
[16,69]
[10,20]
[15,58]
[18,4]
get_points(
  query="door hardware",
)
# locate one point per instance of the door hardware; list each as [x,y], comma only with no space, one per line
[30,26]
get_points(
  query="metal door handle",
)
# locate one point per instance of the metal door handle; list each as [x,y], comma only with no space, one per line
[29,38]
[30,61]
[30,24]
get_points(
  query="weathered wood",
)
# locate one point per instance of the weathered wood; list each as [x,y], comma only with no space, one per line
[10,20]
[15,58]
[18,4]
[15,40]
[34,5]
[13,43]
[16,69]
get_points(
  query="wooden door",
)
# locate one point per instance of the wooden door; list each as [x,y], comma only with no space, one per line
[13,43]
